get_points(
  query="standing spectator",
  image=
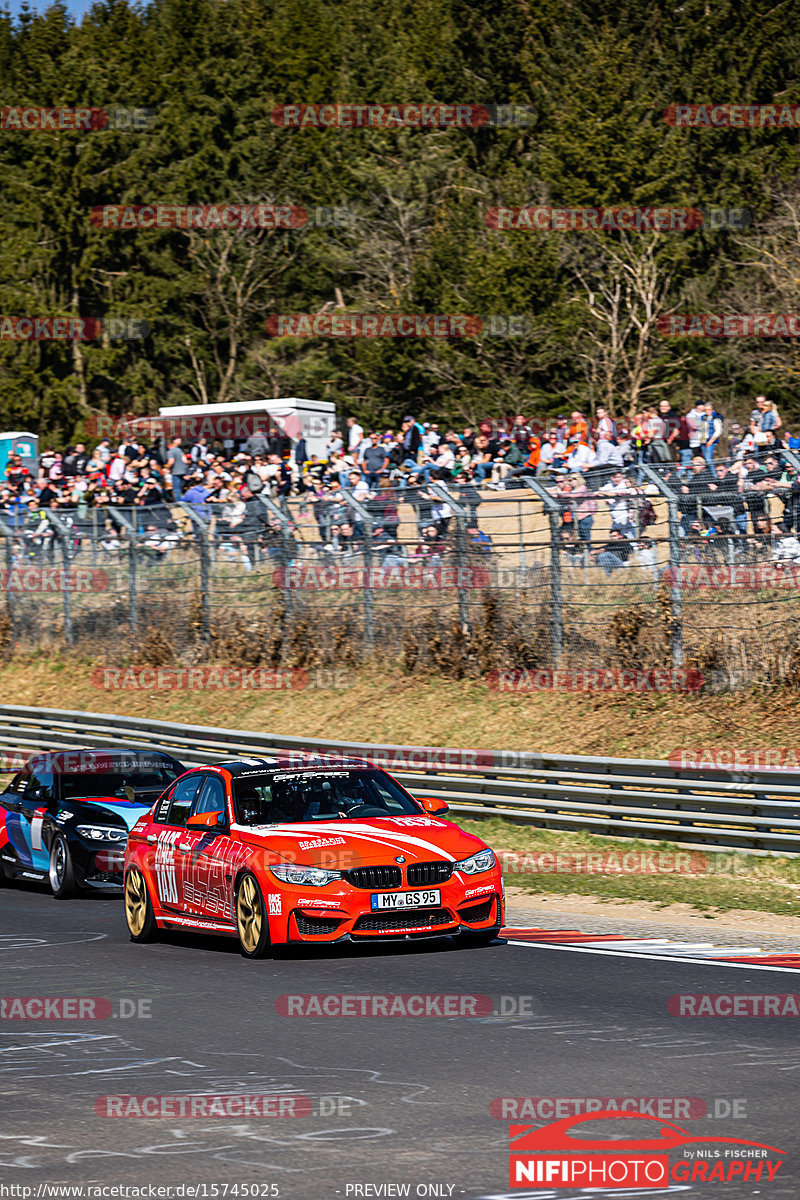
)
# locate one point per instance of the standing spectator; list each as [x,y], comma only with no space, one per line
[753,484]
[256,444]
[694,420]
[521,435]
[355,435]
[605,425]
[412,441]
[771,417]
[374,460]
[334,444]
[177,467]
[431,438]
[711,430]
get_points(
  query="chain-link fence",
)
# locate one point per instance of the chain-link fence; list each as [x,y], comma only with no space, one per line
[646,566]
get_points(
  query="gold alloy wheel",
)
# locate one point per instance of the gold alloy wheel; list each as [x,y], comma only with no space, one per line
[135,902]
[249,914]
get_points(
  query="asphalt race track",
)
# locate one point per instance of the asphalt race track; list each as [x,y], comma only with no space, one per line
[404,1101]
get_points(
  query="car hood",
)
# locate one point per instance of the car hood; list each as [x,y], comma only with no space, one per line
[102,808]
[344,844]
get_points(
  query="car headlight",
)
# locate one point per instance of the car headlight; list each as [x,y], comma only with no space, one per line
[103,833]
[484,860]
[305,876]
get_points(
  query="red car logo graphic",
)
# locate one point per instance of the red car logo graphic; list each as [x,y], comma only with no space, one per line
[557,1137]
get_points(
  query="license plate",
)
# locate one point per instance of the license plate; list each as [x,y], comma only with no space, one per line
[405,899]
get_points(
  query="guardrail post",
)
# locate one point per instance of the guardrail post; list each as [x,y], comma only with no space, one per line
[556,610]
[676,593]
[133,567]
[460,514]
[62,533]
[205,571]
[369,596]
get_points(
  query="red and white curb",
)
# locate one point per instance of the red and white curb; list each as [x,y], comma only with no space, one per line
[618,945]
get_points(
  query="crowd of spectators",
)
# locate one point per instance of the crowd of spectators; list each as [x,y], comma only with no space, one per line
[724,480]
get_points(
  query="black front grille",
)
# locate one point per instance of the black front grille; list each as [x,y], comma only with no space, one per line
[423,874]
[375,877]
[478,912]
[396,922]
[309,926]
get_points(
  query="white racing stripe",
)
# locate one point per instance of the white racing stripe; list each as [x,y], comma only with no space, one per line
[393,840]
[37,821]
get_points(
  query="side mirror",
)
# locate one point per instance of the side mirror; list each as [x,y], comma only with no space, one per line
[207,820]
[130,793]
[433,805]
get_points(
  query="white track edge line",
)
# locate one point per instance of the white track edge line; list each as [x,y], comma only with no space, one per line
[631,955]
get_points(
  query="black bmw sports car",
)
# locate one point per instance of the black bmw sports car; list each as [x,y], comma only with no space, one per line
[65,817]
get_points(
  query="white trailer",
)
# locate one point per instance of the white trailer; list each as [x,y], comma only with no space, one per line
[315,420]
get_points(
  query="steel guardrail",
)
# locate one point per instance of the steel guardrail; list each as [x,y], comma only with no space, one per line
[747,809]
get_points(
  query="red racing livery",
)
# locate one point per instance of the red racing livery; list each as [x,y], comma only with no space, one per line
[279,852]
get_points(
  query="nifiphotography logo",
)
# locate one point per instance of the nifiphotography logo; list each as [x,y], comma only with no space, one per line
[558,1156]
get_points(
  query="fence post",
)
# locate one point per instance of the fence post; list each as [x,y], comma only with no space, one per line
[369,596]
[8,536]
[62,533]
[286,541]
[133,565]
[676,594]
[205,573]
[556,611]
[460,514]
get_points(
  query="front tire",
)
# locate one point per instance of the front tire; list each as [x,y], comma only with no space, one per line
[139,913]
[62,872]
[251,918]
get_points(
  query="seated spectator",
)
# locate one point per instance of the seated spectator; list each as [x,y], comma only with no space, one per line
[620,494]
[696,491]
[614,554]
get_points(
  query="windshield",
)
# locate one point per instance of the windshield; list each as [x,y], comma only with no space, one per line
[283,797]
[147,776]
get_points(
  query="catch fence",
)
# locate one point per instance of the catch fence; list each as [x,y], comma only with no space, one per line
[654,566]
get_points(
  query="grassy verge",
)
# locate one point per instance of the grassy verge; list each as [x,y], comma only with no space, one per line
[719,882]
[387,705]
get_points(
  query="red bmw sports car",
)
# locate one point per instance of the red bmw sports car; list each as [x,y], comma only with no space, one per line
[278,853]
